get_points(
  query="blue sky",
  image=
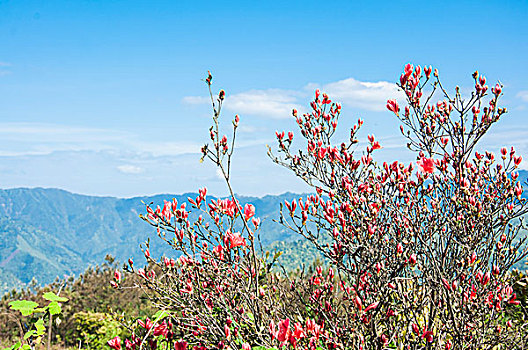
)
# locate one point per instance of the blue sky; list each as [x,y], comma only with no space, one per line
[106,97]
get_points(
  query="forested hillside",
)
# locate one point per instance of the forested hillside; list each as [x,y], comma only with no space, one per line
[45,233]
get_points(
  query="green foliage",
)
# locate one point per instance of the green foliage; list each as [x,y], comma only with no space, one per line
[36,330]
[25,307]
[89,293]
[93,329]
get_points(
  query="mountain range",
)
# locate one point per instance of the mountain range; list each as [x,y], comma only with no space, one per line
[45,233]
[50,233]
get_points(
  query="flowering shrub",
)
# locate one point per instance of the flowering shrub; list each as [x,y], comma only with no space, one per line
[419,255]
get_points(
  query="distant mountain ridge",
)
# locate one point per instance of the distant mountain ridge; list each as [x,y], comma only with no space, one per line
[45,233]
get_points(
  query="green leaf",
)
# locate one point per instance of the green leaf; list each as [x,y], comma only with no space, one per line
[26,347]
[14,347]
[54,308]
[29,334]
[39,325]
[40,309]
[54,297]
[161,314]
[26,307]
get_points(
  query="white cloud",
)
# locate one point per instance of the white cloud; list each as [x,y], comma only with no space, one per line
[278,103]
[271,103]
[167,148]
[370,96]
[129,169]
[523,95]
[25,139]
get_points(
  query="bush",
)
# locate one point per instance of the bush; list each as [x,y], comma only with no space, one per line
[419,254]
[93,329]
[90,295]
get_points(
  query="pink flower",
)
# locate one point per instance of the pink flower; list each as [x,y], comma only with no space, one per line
[117,275]
[408,69]
[249,211]
[427,71]
[147,324]
[234,239]
[497,89]
[426,165]
[284,330]
[115,343]
[392,106]
[161,329]
[298,332]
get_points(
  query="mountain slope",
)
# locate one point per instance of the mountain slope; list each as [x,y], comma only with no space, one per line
[45,233]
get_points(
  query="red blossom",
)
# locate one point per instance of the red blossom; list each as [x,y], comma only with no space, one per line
[392,106]
[426,165]
[115,343]
[249,211]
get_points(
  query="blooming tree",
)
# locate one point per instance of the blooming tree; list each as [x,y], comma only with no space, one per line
[422,253]
[418,255]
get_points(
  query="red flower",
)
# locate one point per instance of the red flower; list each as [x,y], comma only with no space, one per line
[426,165]
[117,275]
[497,89]
[115,343]
[427,71]
[234,239]
[392,106]
[161,329]
[147,324]
[298,332]
[284,330]
[249,211]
